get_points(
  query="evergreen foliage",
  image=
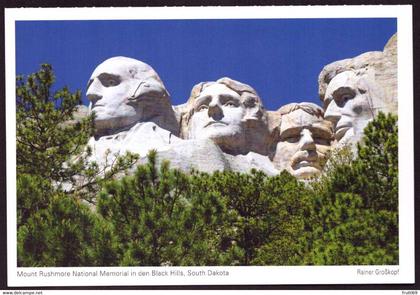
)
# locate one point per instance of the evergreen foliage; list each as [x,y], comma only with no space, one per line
[356,203]
[69,213]
[65,233]
[54,179]
[264,211]
[43,141]
[158,218]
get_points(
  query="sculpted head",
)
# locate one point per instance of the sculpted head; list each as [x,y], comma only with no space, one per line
[350,102]
[304,140]
[354,90]
[220,111]
[124,91]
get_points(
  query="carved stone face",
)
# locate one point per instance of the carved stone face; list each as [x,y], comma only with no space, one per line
[218,114]
[304,143]
[348,107]
[121,90]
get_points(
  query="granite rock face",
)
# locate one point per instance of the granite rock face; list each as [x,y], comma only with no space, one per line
[388,73]
[223,125]
[355,90]
[245,163]
[228,112]
[132,108]
[140,139]
[304,139]
[206,156]
[124,91]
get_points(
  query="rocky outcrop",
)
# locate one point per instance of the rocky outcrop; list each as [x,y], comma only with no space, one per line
[205,156]
[139,139]
[380,66]
[224,126]
[355,90]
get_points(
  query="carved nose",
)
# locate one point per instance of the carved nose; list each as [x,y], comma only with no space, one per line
[306,141]
[93,98]
[93,93]
[332,113]
[215,111]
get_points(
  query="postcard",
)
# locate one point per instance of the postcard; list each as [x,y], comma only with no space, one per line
[163,146]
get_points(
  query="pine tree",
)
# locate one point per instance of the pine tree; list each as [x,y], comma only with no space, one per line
[65,233]
[161,218]
[206,239]
[55,226]
[265,212]
[290,210]
[44,141]
[355,205]
[51,143]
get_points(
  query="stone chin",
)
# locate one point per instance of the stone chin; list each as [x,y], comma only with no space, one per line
[229,139]
[108,122]
[218,130]
[114,117]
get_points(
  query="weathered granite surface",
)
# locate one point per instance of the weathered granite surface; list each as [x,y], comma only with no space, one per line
[223,125]
[132,110]
[228,112]
[139,139]
[355,90]
[124,91]
[304,139]
[206,156]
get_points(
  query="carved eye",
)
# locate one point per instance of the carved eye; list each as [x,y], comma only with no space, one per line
[230,104]
[292,138]
[250,102]
[112,82]
[346,97]
[203,107]
[321,137]
[109,80]
[321,140]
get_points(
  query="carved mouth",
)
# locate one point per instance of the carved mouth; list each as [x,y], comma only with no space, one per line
[303,160]
[305,163]
[215,123]
[308,168]
[341,131]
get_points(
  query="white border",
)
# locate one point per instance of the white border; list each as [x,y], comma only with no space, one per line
[237,275]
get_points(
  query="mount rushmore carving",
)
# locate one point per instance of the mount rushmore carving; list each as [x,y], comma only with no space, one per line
[224,126]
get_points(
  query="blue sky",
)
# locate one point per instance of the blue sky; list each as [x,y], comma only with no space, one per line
[279,58]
